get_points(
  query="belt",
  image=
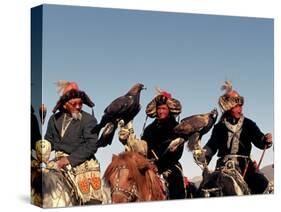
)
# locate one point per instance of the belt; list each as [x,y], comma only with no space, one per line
[234,157]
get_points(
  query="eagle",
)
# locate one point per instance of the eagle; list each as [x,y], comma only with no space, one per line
[192,129]
[123,109]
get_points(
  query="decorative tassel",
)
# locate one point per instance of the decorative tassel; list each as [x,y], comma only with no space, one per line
[159,91]
[227,86]
[61,84]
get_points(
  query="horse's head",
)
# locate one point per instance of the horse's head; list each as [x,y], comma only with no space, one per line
[121,180]
[223,183]
[209,186]
[124,188]
[131,178]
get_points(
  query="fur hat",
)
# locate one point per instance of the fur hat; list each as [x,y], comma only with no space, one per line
[161,98]
[70,90]
[230,99]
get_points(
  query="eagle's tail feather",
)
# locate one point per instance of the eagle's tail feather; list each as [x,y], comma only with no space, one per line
[193,142]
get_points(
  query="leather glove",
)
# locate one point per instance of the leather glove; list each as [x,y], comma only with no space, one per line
[124,134]
[199,155]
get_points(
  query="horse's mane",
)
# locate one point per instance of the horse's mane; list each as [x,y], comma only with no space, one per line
[141,171]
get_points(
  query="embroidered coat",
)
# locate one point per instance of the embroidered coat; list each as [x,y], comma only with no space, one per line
[77,141]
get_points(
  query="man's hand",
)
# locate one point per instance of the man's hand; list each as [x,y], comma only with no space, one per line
[62,162]
[268,138]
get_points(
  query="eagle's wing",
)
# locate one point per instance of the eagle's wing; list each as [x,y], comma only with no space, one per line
[107,135]
[193,141]
[119,106]
[173,146]
[191,124]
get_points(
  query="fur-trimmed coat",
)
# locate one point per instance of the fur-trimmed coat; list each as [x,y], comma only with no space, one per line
[158,137]
[250,134]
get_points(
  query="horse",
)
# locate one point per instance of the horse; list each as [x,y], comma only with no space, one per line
[222,182]
[51,188]
[55,187]
[132,178]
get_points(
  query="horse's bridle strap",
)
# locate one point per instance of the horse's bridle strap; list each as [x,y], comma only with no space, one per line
[131,194]
[211,190]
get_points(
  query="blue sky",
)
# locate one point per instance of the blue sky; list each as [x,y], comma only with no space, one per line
[106,51]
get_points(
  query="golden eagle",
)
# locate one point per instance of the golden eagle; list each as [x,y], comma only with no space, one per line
[192,129]
[124,109]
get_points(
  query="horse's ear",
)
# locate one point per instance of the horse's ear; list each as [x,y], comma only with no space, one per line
[114,157]
[142,168]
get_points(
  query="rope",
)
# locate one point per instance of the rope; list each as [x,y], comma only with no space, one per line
[144,126]
[265,147]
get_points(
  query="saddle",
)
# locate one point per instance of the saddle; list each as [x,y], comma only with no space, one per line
[86,179]
[232,169]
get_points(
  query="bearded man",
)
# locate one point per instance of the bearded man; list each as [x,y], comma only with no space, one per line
[69,132]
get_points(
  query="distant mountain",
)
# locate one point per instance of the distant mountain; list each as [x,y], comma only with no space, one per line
[268,172]
[197,180]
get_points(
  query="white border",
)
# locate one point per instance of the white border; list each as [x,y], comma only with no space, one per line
[15,99]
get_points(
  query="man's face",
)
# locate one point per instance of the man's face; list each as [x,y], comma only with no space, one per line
[74,106]
[236,112]
[162,112]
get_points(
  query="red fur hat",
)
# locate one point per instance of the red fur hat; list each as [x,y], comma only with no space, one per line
[163,97]
[230,99]
[70,90]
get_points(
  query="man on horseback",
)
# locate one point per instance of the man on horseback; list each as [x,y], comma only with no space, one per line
[232,138]
[69,132]
[158,135]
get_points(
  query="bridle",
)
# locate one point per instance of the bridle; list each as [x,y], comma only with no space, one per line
[131,194]
[208,192]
